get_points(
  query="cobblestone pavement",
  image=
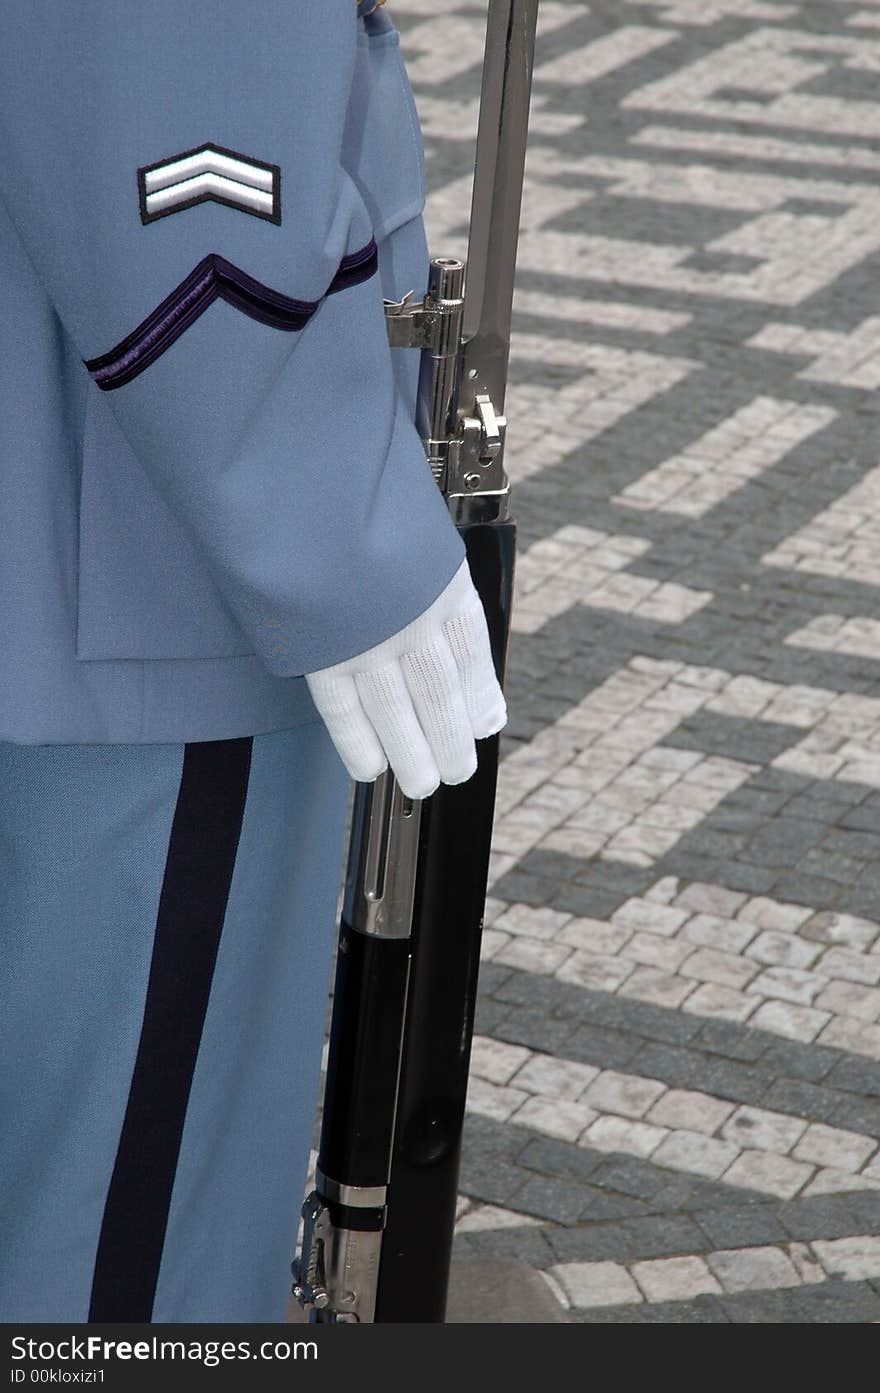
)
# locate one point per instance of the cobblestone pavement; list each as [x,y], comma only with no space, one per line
[675,1111]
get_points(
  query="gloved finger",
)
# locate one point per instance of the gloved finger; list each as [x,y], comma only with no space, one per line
[435,687]
[339,706]
[468,637]
[386,700]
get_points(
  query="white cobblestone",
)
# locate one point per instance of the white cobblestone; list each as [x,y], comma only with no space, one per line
[857,636]
[805,1263]
[771,914]
[703,12]
[753,1269]
[832,1146]
[492,909]
[774,1175]
[596,971]
[620,1134]
[852,967]
[482,1217]
[794,1022]
[490,942]
[711,965]
[603,55]
[846,1033]
[658,988]
[833,1182]
[720,1003]
[847,999]
[721,461]
[641,1117]
[687,1110]
[556,1117]
[695,1153]
[757,1128]
[655,951]
[492,1100]
[531,955]
[675,1279]
[727,935]
[554,1078]
[650,916]
[788,984]
[589,1284]
[531,921]
[594,936]
[844,929]
[853,1259]
[626,1094]
[778,949]
[703,898]
[496,1061]
[664,890]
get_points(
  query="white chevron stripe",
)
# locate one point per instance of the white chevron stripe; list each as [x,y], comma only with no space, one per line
[209,184]
[208,162]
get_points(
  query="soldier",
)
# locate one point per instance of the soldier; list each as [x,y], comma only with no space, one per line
[222,555]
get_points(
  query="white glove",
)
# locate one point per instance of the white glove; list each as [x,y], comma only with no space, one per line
[418,700]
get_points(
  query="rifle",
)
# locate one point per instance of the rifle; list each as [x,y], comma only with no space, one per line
[378,1227]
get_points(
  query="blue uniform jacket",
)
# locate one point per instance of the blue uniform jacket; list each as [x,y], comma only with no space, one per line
[211,478]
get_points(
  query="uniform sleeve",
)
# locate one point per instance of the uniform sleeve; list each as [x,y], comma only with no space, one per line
[178,177]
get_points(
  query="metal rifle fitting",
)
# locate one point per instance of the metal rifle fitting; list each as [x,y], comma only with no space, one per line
[464,445]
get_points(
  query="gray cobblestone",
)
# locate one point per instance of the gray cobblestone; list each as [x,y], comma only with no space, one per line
[675,1066]
[495,1184]
[832,1303]
[804,1099]
[826,1216]
[856,1075]
[605,1048]
[704,1310]
[732,1042]
[734,1227]
[549,1157]
[637,1179]
[794,1062]
[530,1245]
[866,1208]
[661,1235]
[610,1204]
[613,1315]
[858,1114]
[527,1025]
[488,1015]
[561,1201]
[729,1079]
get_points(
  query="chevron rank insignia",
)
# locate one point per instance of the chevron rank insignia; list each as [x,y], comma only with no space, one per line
[210,171]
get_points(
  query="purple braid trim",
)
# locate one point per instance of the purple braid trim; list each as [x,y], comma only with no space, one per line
[144,349]
[215,276]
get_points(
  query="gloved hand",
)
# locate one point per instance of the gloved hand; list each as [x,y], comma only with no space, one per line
[418,700]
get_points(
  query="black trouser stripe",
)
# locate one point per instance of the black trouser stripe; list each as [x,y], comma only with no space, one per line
[201,856]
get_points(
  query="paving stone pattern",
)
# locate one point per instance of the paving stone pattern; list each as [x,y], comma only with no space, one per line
[674,1110]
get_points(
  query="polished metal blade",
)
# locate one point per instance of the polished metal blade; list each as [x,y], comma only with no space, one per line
[497,198]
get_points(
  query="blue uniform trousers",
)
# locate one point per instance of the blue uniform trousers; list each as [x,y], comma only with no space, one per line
[167,920]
